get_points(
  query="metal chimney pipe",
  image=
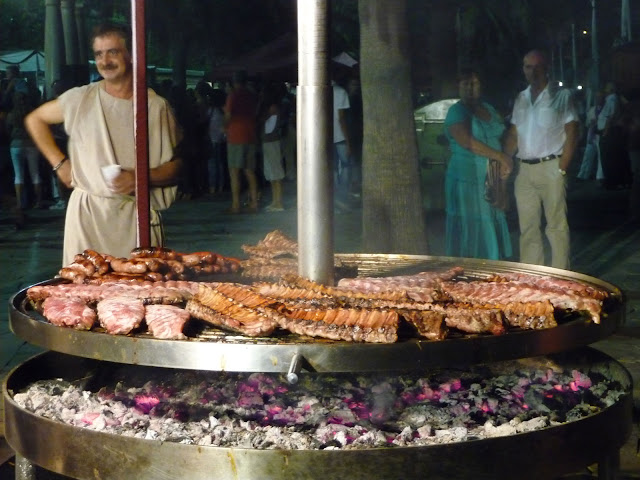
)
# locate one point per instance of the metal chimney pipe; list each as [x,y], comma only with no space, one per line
[315,147]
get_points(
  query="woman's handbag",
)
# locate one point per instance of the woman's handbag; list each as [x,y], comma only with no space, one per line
[495,187]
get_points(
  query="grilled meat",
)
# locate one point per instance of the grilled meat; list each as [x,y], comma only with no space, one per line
[120,315]
[69,312]
[166,321]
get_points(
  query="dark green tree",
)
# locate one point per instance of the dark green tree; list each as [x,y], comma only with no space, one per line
[21,24]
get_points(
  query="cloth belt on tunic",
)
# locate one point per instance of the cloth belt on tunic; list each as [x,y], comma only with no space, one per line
[533,161]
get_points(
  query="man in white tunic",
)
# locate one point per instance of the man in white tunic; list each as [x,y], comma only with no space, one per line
[101,213]
[544,133]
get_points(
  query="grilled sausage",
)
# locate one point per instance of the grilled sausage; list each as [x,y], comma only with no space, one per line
[175,266]
[120,277]
[101,264]
[155,252]
[76,275]
[154,276]
[83,265]
[152,264]
[122,265]
[198,258]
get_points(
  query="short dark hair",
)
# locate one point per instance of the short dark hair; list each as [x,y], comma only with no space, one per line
[465,73]
[539,52]
[112,28]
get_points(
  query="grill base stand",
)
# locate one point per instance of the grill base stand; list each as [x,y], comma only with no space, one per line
[608,468]
[86,454]
[25,470]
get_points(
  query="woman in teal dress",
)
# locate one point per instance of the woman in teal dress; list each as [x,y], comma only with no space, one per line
[474,129]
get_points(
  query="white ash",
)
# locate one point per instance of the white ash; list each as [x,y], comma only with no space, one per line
[322,411]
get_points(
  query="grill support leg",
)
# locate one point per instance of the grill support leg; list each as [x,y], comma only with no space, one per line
[25,470]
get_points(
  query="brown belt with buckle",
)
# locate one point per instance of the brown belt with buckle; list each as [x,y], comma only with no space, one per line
[533,161]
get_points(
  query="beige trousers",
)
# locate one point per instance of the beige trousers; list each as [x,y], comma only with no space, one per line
[541,188]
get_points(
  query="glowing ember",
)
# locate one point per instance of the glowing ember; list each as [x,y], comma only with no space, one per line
[324,411]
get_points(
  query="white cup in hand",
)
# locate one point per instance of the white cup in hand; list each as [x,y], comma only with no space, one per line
[109,173]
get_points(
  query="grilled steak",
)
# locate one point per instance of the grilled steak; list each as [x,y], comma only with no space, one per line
[69,312]
[120,315]
[166,321]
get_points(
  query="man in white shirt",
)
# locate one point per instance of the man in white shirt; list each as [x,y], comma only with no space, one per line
[544,133]
[98,117]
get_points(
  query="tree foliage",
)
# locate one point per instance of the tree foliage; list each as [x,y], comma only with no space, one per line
[21,24]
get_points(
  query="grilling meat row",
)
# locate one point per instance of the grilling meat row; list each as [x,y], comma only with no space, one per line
[428,304]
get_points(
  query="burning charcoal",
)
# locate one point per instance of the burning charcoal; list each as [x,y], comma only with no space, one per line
[324,411]
[146,402]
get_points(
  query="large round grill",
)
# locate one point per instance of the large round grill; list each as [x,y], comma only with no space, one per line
[544,453]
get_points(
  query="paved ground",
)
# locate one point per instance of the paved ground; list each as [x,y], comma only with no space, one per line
[603,244]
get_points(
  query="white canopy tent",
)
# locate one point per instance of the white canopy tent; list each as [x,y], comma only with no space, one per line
[27,60]
[31,63]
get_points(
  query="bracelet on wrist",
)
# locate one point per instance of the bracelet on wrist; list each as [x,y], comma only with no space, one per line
[55,169]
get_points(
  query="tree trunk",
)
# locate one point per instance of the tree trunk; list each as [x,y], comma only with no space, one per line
[392,215]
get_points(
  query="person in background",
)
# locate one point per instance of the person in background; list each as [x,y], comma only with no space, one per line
[544,133]
[612,142]
[23,152]
[217,139]
[202,114]
[98,117]
[289,141]
[13,83]
[272,122]
[474,228]
[341,147]
[240,113]
[355,126]
[590,158]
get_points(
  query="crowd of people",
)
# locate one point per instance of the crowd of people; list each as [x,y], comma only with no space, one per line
[207,140]
[17,98]
[239,138]
[609,139]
